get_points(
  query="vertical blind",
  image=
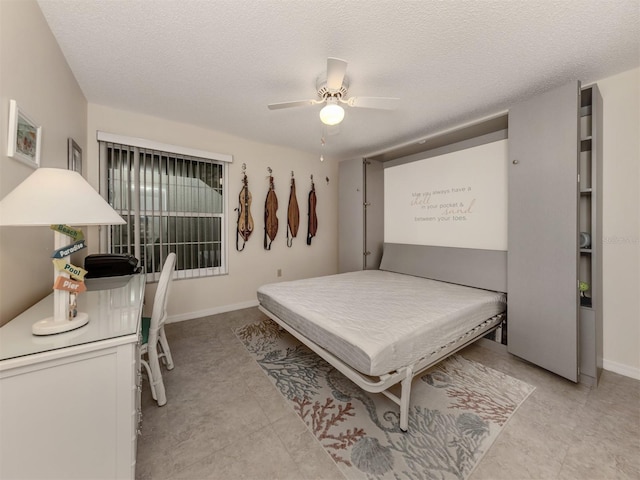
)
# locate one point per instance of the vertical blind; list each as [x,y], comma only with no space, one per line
[171,203]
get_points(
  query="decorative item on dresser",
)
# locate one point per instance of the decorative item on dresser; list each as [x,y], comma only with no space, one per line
[57,197]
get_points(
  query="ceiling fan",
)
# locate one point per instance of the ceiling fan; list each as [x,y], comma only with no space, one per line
[332,90]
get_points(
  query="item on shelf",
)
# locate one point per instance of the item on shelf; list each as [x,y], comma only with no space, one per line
[585,240]
[584,300]
[583,287]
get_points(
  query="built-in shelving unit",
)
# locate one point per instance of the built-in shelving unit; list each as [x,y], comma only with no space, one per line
[555,238]
[590,238]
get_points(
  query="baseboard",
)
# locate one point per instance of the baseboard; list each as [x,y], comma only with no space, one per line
[211,311]
[621,369]
[608,365]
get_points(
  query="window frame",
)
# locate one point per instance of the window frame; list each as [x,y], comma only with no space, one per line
[138,144]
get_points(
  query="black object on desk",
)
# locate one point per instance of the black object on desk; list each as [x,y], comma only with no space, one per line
[100,265]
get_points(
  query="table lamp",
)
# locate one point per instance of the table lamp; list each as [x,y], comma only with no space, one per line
[53,196]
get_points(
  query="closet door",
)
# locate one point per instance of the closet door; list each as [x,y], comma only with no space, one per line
[373,213]
[350,215]
[543,233]
[360,215]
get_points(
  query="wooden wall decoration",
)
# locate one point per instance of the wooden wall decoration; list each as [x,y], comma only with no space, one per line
[245,220]
[293,213]
[270,217]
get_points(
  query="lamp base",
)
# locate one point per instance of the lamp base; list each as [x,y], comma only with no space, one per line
[49,326]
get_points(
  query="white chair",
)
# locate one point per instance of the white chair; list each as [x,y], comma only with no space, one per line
[154,341]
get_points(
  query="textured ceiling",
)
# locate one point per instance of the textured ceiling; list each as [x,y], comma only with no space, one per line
[218,63]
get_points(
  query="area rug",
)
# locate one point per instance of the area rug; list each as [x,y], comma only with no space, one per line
[458,409]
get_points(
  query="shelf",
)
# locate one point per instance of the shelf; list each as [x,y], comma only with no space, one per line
[586,191]
[586,250]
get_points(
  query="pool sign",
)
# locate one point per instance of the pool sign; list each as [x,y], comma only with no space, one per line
[75,272]
[75,284]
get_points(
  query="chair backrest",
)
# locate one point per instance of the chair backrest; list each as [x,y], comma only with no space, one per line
[159,312]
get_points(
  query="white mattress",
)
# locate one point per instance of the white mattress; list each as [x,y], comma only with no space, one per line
[377,321]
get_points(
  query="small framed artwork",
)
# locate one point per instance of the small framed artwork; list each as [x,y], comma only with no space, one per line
[75,156]
[25,137]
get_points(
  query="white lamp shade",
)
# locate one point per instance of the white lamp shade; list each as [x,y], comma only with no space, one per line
[51,196]
[331,113]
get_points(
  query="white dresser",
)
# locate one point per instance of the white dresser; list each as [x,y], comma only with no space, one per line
[70,403]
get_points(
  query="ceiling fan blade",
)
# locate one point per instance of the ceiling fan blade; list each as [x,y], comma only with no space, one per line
[297,103]
[382,103]
[336,69]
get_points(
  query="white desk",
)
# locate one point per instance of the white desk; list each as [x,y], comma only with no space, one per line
[70,403]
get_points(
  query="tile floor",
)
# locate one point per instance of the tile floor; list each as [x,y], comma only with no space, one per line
[225,420]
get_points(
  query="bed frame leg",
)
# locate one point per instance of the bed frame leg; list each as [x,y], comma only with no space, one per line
[405,396]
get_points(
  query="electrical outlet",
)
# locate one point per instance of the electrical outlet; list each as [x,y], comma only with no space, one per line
[279,272]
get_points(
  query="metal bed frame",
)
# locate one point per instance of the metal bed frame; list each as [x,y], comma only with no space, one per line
[486,269]
[404,375]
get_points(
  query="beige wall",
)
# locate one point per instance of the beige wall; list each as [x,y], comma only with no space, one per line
[253,266]
[621,222]
[33,72]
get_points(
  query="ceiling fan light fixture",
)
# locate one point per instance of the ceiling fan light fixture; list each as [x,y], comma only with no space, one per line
[331,113]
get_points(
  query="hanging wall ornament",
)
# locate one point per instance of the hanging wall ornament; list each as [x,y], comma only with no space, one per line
[313,219]
[270,218]
[293,213]
[245,220]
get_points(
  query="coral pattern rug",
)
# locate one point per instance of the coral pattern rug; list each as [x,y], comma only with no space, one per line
[458,409]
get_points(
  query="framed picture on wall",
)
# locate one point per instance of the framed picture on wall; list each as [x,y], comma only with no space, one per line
[25,137]
[75,156]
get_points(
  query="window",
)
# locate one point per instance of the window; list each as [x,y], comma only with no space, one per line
[172,202]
